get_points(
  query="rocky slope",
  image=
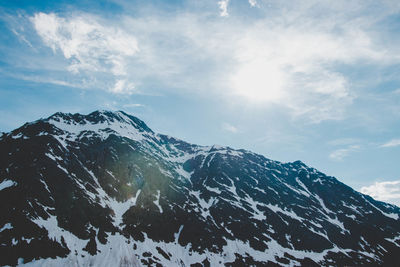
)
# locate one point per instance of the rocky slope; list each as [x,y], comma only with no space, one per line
[104,190]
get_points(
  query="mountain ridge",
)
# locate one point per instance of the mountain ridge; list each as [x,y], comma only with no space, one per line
[88,183]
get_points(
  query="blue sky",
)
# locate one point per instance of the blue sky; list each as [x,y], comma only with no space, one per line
[311,80]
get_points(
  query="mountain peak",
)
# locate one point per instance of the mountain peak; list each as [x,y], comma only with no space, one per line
[99,117]
[100,122]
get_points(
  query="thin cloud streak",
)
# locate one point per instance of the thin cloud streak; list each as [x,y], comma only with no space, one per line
[392,143]
[133,105]
[229,128]
[340,154]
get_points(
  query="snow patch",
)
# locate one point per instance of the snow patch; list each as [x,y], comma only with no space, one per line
[157,201]
[6,226]
[120,208]
[394,216]
[6,184]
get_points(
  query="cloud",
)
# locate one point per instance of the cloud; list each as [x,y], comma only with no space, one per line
[292,57]
[253,3]
[343,141]
[42,79]
[122,86]
[230,128]
[133,105]
[223,6]
[295,67]
[261,63]
[388,191]
[392,143]
[22,37]
[88,46]
[340,154]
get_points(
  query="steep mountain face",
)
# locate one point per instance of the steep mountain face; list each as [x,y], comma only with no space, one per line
[104,190]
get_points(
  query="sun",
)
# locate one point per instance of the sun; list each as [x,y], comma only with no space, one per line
[259,81]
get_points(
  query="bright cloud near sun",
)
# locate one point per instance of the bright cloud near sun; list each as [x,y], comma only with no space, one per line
[295,67]
[259,80]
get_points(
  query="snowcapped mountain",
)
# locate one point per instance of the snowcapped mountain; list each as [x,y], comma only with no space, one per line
[104,190]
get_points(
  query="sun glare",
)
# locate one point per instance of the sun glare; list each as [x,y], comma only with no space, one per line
[259,81]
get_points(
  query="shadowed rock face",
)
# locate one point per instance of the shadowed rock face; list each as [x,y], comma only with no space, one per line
[104,189]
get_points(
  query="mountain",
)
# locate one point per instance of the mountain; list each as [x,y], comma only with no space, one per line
[104,190]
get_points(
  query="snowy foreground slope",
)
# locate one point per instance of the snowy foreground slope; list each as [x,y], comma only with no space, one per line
[105,190]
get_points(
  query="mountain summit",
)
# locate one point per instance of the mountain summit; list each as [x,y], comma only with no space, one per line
[104,190]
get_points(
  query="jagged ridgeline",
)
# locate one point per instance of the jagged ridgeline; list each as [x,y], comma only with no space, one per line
[104,190]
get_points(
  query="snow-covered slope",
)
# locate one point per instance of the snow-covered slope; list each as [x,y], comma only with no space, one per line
[104,190]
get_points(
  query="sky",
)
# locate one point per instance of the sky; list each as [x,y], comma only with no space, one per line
[316,81]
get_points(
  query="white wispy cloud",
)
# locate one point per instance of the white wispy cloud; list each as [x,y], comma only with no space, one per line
[341,153]
[22,38]
[388,191]
[392,143]
[46,79]
[122,86]
[228,127]
[223,6]
[89,46]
